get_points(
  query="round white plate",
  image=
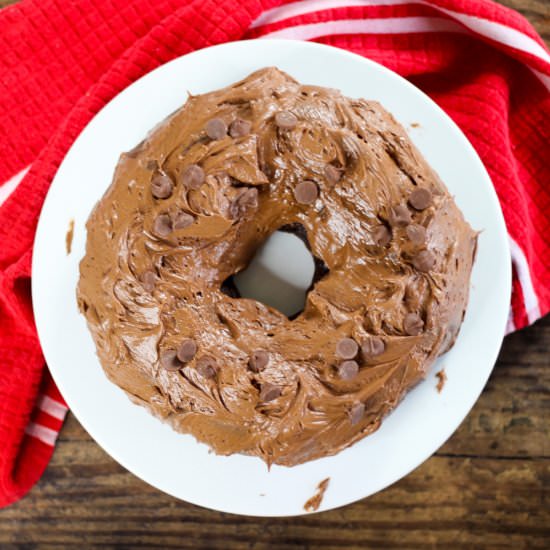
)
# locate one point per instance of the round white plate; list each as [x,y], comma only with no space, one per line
[177,464]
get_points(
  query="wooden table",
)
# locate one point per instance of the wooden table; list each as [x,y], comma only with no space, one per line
[487,487]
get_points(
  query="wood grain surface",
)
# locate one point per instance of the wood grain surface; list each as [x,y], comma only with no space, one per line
[487,487]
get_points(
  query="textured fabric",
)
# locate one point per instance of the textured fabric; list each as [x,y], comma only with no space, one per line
[60,62]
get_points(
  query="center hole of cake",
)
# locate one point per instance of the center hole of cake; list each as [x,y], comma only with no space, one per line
[279,275]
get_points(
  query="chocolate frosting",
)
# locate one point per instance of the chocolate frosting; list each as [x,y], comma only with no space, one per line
[188,208]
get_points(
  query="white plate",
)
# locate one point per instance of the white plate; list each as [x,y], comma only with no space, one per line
[177,464]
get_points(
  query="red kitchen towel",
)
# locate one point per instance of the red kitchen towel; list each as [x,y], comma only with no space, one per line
[60,62]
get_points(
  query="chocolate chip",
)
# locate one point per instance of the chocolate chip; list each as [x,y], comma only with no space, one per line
[258,360]
[416,234]
[356,413]
[161,186]
[182,220]
[239,128]
[207,366]
[332,174]
[347,348]
[245,200]
[216,128]
[286,120]
[372,347]
[306,192]
[187,350]
[148,280]
[424,261]
[399,215]
[381,235]
[269,392]
[193,176]
[413,324]
[169,360]
[162,226]
[420,198]
[348,370]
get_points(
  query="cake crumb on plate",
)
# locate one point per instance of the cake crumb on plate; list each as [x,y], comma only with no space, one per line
[69,237]
[442,378]
[312,505]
